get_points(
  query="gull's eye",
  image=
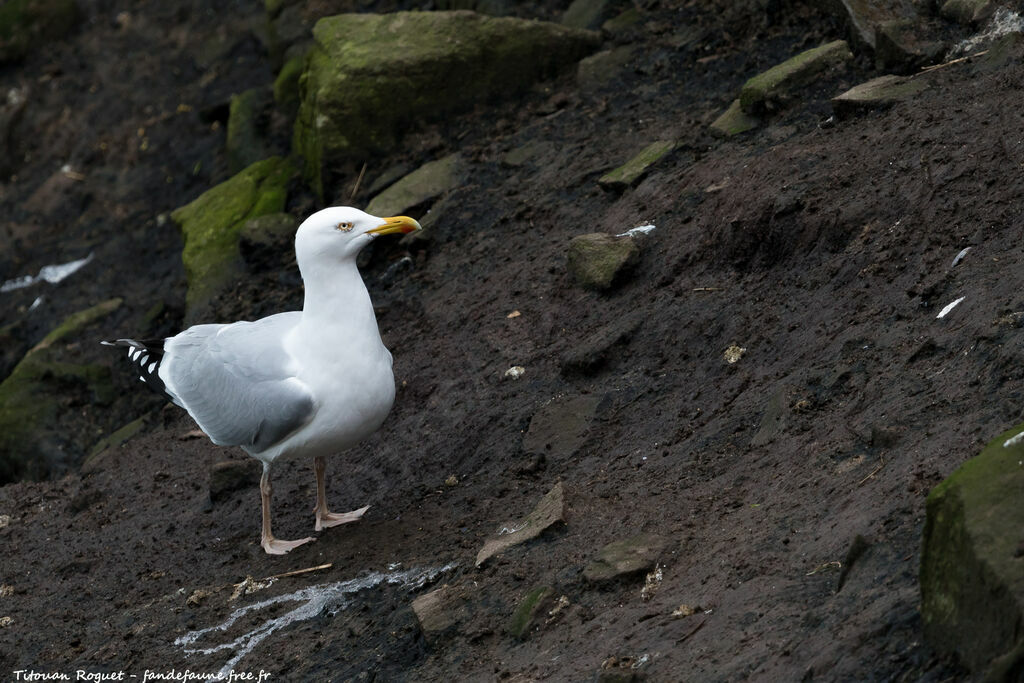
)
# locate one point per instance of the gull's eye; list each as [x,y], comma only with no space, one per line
[345,226]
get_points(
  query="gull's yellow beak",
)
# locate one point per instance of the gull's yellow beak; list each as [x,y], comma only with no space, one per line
[393,224]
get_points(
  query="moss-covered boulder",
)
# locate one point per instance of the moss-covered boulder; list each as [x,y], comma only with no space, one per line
[597,260]
[26,23]
[972,560]
[246,136]
[48,404]
[369,77]
[769,90]
[211,225]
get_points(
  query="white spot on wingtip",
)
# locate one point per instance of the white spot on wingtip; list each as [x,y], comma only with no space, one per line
[142,378]
[152,367]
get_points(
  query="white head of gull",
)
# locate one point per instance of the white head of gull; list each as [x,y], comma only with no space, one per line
[307,383]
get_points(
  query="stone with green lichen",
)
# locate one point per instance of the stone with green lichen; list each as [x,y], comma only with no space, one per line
[526,612]
[26,23]
[972,558]
[111,441]
[425,183]
[38,434]
[769,89]
[589,13]
[627,557]
[598,260]
[601,68]
[357,98]
[734,121]
[629,19]
[211,225]
[246,142]
[636,168]
[286,85]
[883,91]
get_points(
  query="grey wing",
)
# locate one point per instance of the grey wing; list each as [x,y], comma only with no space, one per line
[237,381]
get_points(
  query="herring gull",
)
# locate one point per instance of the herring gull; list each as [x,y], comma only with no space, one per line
[306,383]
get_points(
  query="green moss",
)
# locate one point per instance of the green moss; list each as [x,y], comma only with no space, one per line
[634,169]
[519,624]
[763,90]
[211,225]
[971,579]
[368,76]
[734,121]
[286,85]
[32,399]
[244,143]
[24,23]
[596,260]
[115,439]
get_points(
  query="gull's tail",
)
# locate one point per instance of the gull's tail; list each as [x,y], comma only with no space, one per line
[146,357]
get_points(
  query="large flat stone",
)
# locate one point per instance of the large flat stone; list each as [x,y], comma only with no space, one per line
[770,89]
[865,16]
[559,428]
[883,91]
[369,77]
[734,121]
[549,511]
[972,560]
[625,558]
[422,185]
[636,168]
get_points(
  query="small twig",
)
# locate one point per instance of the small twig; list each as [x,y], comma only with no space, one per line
[834,564]
[873,473]
[359,180]
[934,67]
[692,631]
[708,289]
[300,571]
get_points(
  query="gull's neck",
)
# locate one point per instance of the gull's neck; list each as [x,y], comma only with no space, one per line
[337,304]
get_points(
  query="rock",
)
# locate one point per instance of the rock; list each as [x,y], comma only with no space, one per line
[589,13]
[425,183]
[548,512]
[900,46]
[228,476]
[865,16]
[527,154]
[883,91]
[623,23]
[38,433]
[25,24]
[734,121]
[624,558]
[589,355]
[636,168]
[601,68]
[271,230]
[597,260]
[112,441]
[286,84]
[769,90]
[560,428]
[245,136]
[211,225]
[524,618]
[440,611]
[351,85]
[494,8]
[972,565]
[968,12]
[1004,50]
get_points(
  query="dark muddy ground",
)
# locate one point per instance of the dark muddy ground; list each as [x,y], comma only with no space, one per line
[824,251]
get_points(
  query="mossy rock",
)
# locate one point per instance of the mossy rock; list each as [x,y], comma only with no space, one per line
[246,136]
[369,77]
[26,23]
[972,560]
[38,433]
[597,260]
[877,93]
[212,223]
[286,85]
[527,610]
[734,121]
[770,89]
[636,168]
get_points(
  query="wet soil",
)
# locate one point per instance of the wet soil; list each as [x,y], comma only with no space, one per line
[822,248]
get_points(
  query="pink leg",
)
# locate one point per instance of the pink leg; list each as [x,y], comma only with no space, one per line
[273,546]
[325,519]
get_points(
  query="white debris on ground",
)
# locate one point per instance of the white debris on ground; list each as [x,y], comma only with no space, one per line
[638,230]
[959,257]
[515,372]
[949,307]
[1004,21]
[51,274]
[315,600]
